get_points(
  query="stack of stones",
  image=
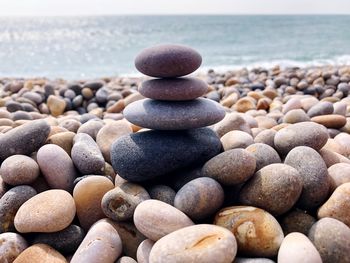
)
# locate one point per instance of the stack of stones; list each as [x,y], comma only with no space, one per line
[173,112]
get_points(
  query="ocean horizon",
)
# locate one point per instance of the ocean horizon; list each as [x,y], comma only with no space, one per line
[103,46]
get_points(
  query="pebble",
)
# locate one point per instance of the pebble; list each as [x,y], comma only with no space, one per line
[168,61]
[56,105]
[62,139]
[275,188]
[144,250]
[43,212]
[162,193]
[12,245]
[200,198]
[119,203]
[339,174]
[295,116]
[198,243]
[330,121]
[338,205]
[88,194]
[102,244]
[297,221]
[91,127]
[266,136]
[156,219]
[301,134]
[10,202]
[177,89]
[230,167]
[40,253]
[321,108]
[86,155]
[19,169]
[126,260]
[176,115]
[57,167]
[236,139]
[253,260]
[264,155]
[146,155]
[257,232]
[231,121]
[332,240]
[313,173]
[24,139]
[296,247]
[110,133]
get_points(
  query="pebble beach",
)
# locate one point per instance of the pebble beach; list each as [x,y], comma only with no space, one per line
[243,166]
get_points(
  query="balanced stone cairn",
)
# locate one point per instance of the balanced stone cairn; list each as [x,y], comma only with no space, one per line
[174,113]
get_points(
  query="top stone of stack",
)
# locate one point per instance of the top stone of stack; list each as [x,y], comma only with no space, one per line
[168,61]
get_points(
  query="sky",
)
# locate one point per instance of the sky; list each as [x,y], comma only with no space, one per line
[105,7]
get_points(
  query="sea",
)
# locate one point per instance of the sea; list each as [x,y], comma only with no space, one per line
[105,46]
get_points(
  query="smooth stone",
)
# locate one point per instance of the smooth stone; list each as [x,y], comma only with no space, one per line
[174,115]
[230,167]
[257,232]
[266,122]
[313,172]
[231,121]
[88,194]
[338,205]
[200,198]
[236,139]
[91,128]
[65,241]
[297,221]
[102,244]
[253,260]
[57,167]
[300,134]
[146,155]
[244,104]
[156,219]
[12,245]
[267,137]
[162,193]
[10,202]
[56,105]
[130,236]
[198,243]
[126,260]
[321,108]
[344,140]
[86,155]
[339,174]
[296,247]
[19,169]
[63,139]
[168,61]
[331,158]
[340,108]
[330,121]
[70,124]
[24,139]
[110,133]
[332,240]
[143,251]
[292,104]
[295,116]
[44,212]
[275,188]
[264,155]
[40,253]
[120,203]
[173,89]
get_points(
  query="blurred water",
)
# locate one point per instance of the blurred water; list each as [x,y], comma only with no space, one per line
[78,47]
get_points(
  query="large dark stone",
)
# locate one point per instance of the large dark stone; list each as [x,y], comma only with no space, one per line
[24,139]
[175,115]
[146,155]
[173,89]
[168,61]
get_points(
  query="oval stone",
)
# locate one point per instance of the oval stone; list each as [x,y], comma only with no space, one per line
[12,245]
[264,154]
[168,61]
[253,260]
[297,221]
[296,247]
[173,89]
[162,193]
[101,244]
[174,115]
[40,253]
[199,243]
[156,219]
[313,172]
[339,174]
[24,139]
[275,188]
[49,211]
[143,251]
[330,121]
[332,240]
[200,198]
[230,167]
[146,155]
[257,232]
[301,134]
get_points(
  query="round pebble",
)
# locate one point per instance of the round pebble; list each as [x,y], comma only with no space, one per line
[264,155]
[162,193]
[236,139]
[40,253]
[339,174]
[144,250]
[12,245]
[297,221]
